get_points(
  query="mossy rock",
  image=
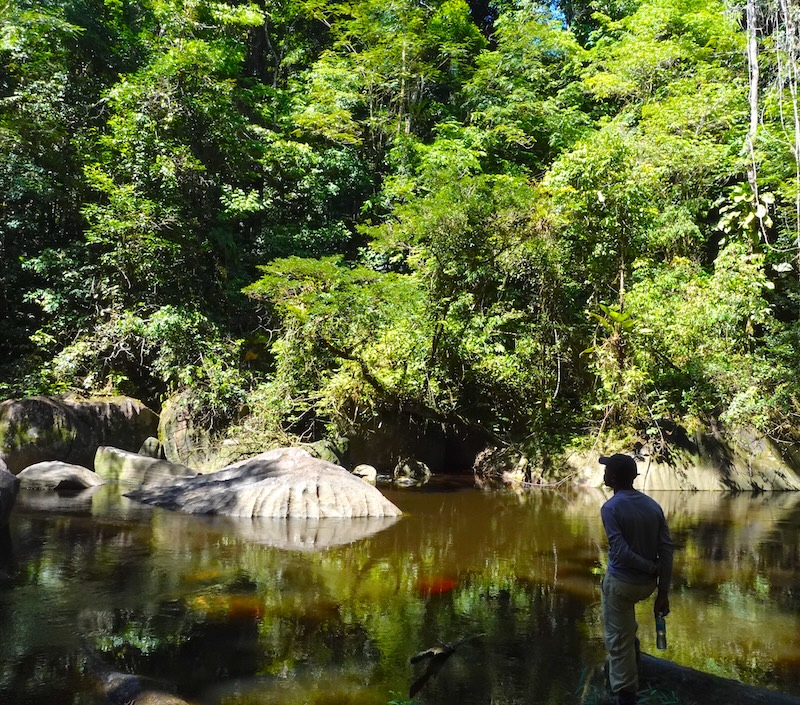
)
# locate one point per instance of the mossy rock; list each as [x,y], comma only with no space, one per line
[121,467]
[701,460]
[185,440]
[70,429]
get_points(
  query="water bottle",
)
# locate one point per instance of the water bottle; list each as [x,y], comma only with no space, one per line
[661,632]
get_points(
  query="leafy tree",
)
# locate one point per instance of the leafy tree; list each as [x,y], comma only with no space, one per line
[173,138]
[602,197]
[155,357]
[394,69]
[496,289]
[356,339]
[522,96]
[704,358]
[53,64]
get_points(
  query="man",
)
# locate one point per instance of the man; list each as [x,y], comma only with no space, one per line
[639,561]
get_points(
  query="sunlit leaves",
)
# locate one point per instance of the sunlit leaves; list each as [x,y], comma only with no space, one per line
[237,15]
[515,94]
[602,197]
[357,337]
[744,212]
[494,285]
[702,328]
[334,95]
[179,346]
[390,72]
[637,57]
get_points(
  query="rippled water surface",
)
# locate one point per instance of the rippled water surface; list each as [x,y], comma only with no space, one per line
[237,612]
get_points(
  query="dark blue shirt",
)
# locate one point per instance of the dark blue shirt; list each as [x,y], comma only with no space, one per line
[639,544]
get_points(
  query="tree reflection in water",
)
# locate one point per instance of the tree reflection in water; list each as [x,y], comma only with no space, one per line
[231,612]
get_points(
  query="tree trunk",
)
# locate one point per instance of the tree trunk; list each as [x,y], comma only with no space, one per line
[791,49]
[752,64]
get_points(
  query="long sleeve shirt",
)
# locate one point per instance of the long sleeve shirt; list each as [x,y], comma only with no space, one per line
[639,544]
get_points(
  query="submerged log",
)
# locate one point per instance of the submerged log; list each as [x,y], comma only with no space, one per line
[118,688]
[695,687]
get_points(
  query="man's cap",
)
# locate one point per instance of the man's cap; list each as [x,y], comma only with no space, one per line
[620,463]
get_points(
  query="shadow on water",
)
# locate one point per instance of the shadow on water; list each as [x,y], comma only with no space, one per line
[8,564]
[236,612]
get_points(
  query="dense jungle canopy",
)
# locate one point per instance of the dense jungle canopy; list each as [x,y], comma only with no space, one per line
[535,220]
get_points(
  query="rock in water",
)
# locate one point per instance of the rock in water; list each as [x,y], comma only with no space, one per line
[122,467]
[56,475]
[120,688]
[284,482]
[9,487]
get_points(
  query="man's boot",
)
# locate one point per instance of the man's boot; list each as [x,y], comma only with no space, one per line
[626,697]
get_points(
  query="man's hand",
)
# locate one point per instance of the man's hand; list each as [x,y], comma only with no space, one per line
[661,605]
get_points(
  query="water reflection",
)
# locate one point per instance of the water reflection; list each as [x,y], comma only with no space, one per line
[8,563]
[79,501]
[294,534]
[221,611]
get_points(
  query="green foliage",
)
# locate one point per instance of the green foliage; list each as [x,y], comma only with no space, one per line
[603,201]
[163,160]
[495,287]
[698,335]
[156,356]
[394,69]
[42,108]
[644,53]
[446,213]
[307,198]
[746,213]
[522,96]
[357,338]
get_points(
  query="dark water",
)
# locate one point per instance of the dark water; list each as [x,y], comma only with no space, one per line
[238,612]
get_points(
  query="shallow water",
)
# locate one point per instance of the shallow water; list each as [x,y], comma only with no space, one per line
[236,612]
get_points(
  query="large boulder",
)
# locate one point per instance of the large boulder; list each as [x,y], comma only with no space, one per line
[9,486]
[284,482]
[57,475]
[186,441]
[125,468]
[69,429]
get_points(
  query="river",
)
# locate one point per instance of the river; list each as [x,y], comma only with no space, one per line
[236,612]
